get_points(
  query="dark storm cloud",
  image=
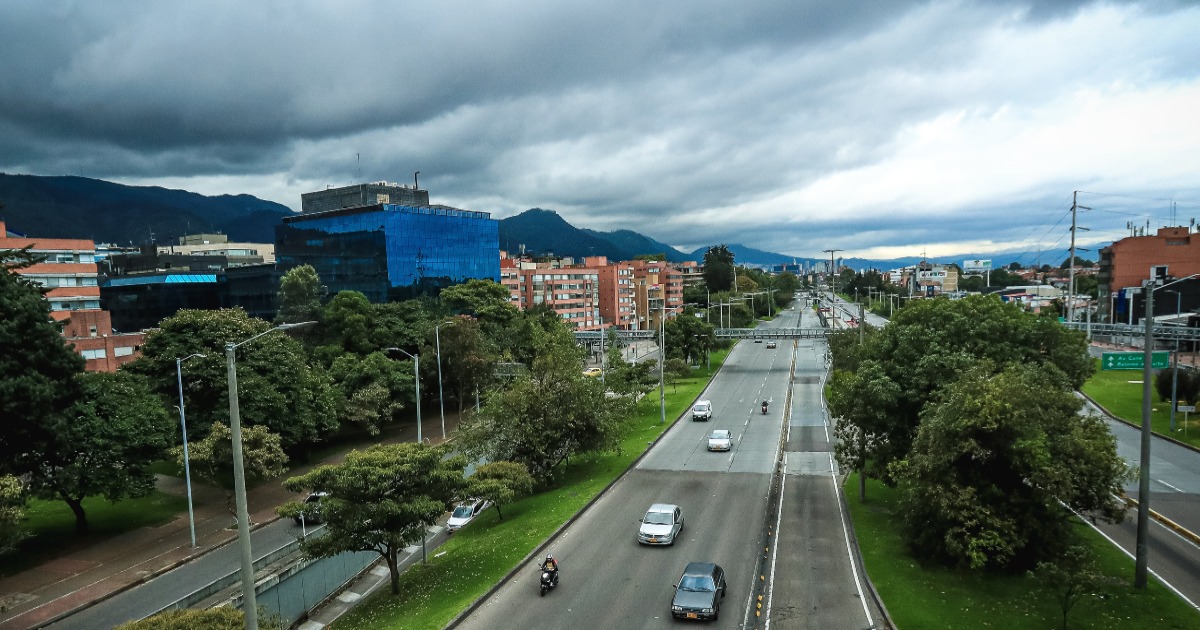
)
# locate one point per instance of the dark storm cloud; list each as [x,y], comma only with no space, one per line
[775,124]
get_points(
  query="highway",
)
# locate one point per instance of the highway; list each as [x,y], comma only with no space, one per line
[610,581]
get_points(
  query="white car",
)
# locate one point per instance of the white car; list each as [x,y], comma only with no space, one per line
[661,525]
[720,440]
[465,512]
[702,410]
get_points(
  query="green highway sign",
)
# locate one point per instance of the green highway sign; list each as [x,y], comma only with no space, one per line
[1134,361]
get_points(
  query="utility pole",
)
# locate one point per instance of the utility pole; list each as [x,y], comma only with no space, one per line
[832,275]
[1071,277]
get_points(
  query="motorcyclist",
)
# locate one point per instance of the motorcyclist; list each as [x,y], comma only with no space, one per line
[764,407]
[550,565]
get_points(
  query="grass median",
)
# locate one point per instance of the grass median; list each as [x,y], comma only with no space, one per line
[1120,392]
[479,556]
[919,596]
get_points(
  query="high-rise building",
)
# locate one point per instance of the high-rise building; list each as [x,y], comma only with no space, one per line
[372,194]
[390,251]
[1171,253]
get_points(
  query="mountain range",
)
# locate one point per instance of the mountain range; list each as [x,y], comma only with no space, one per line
[106,212]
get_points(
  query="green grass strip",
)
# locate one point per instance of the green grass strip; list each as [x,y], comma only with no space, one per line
[936,597]
[1120,392]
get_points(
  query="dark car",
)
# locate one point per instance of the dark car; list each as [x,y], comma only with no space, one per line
[310,514]
[699,592]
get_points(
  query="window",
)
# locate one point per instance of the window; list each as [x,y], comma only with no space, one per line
[93,354]
[122,351]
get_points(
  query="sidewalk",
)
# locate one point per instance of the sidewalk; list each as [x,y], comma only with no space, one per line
[73,581]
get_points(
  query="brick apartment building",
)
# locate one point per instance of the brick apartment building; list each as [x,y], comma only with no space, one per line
[1172,253]
[596,293]
[69,273]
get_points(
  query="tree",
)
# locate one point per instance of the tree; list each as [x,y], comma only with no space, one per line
[12,512]
[718,268]
[111,436]
[676,369]
[995,461]
[625,378]
[1072,577]
[300,295]
[546,414]
[37,370]
[380,500]
[212,457]
[500,482]
[468,361]
[375,388]
[930,343]
[860,400]
[689,337]
[346,324]
[277,386]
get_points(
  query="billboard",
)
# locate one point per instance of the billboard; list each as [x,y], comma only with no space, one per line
[977,266]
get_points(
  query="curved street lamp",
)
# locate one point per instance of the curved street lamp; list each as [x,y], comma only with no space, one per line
[187,467]
[249,597]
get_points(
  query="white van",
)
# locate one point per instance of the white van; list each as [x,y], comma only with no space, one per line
[702,410]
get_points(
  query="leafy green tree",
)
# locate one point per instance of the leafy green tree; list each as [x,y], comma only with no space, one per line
[375,388]
[996,459]
[403,324]
[300,295]
[1072,577]
[546,414]
[651,257]
[111,436]
[483,299]
[625,378]
[346,324]
[689,337]
[930,343]
[212,457]
[860,401]
[277,386]
[380,499]
[12,512]
[718,268]
[37,370]
[676,369]
[468,361]
[221,618]
[500,482]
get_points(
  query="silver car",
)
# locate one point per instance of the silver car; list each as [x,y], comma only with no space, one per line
[661,524]
[720,440]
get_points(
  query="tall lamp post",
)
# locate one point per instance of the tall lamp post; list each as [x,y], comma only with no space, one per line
[662,360]
[1143,525]
[441,401]
[1175,359]
[249,597]
[416,384]
[187,466]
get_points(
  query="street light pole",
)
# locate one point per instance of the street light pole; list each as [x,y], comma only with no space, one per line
[441,401]
[662,362]
[249,596]
[187,466]
[1175,359]
[417,385]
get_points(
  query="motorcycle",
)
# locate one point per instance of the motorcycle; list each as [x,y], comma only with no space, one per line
[549,580]
[764,408]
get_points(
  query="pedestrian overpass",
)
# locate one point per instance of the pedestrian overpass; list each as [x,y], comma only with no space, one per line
[593,336]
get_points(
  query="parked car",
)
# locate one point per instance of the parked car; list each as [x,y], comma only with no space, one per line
[771,344]
[720,440]
[593,372]
[464,513]
[699,592]
[311,512]
[661,524]
[702,410]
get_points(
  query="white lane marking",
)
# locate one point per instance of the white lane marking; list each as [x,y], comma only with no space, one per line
[1133,557]
[775,547]
[849,550]
[1166,484]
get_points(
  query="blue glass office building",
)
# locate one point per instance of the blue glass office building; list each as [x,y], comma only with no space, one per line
[392,252]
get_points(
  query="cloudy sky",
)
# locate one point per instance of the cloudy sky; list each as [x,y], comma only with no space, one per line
[884,128]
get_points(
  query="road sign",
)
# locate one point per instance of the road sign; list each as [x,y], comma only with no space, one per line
[1134,360]
[1186,408]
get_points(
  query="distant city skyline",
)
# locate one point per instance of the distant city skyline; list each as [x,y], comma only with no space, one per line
[886,129]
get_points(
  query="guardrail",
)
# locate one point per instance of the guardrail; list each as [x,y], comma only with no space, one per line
[1161,332]
[593,336]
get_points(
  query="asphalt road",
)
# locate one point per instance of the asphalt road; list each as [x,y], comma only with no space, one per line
[164,590]
[609,581]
